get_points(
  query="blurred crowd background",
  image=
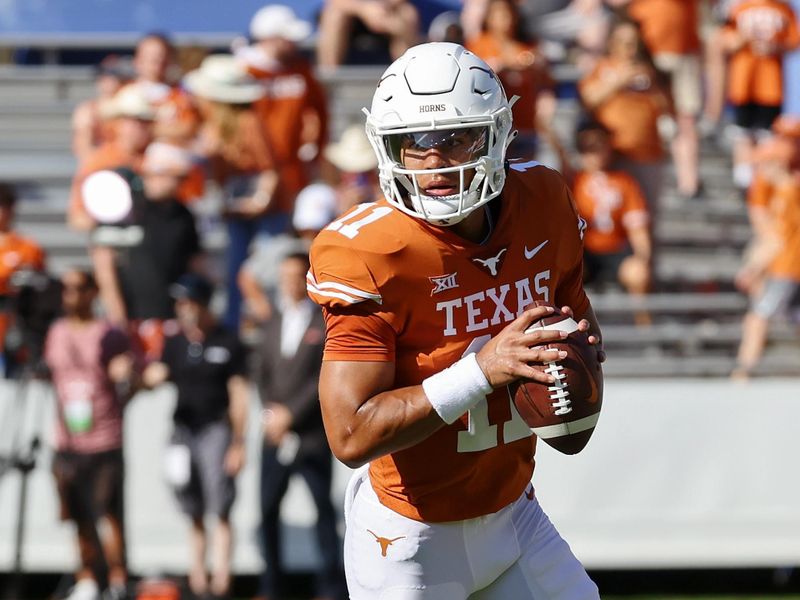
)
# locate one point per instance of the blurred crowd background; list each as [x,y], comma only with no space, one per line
[172,247]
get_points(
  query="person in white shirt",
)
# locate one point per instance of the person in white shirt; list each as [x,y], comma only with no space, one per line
[294,437]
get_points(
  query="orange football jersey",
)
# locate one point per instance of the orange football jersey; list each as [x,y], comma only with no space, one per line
[394,287]
[610,201]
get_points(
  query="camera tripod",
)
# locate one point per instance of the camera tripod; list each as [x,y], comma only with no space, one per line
[21,419]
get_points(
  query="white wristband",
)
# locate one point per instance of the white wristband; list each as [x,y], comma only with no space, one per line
[456,389]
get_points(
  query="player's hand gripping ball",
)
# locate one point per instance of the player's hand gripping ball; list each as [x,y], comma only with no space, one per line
[565,412]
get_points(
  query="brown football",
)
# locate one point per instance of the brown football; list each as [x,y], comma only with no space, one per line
[564,413]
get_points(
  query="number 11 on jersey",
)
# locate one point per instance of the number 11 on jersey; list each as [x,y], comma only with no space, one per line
[349,227]
[480,433]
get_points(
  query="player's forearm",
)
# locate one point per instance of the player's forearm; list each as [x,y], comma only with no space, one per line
[365,418]
[386,423]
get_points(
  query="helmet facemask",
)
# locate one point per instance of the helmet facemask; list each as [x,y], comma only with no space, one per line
[467,145]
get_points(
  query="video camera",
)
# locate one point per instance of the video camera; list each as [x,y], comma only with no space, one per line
[31,305]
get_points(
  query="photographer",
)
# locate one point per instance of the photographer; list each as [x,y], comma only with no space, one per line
[92,368]
[16,254]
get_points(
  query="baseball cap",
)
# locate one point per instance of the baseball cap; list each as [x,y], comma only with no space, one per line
[278,20]
[314,208]
[194,287]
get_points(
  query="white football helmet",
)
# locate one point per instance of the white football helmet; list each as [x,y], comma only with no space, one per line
[435,95]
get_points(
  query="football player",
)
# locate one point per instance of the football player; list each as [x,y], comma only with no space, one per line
[427,295]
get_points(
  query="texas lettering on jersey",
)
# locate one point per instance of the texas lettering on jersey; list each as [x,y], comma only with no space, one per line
[394,287]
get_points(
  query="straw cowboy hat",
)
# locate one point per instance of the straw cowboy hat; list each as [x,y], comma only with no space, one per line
[353,152]
[222,78]
[128,102]
[278,20]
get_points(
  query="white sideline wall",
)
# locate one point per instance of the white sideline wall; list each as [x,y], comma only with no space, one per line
[679,473]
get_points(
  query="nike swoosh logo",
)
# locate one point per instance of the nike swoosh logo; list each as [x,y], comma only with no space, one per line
[529,254]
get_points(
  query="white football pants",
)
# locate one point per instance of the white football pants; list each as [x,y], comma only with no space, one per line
[513,554]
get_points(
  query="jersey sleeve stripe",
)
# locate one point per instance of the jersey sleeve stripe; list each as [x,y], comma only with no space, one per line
[344,297]
[347,293]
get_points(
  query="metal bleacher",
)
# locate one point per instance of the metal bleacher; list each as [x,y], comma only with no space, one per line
[696,313]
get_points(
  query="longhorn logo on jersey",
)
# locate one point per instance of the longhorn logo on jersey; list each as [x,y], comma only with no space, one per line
[491,263]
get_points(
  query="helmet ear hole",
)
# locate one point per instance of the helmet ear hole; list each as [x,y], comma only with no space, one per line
[497,180]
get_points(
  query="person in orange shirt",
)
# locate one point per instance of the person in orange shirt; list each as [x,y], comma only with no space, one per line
[176,117]
[426,295]
[17,253]
[670,30]
[89,129]
[625,95]
[131,121]
[241,162]
[523,71]
[617,243]
[785,127]
[293,110]
[759,32]
[759,194]
[776,256]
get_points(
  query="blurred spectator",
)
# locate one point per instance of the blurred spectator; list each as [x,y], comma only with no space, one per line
[17,253]
[758,34]
[786,127]
[624,94]
[446,27]
[617,244]
[670,29]
[131,124]
[294,109]
[556,24]
[92,369]
[89,128]
[353,174]
[207,365]
[241,162]
[294,437]
[396,21]
[776,254]
[715,55]
[522,70]
[136,261]
[315,208]
[355,165]
[176,118]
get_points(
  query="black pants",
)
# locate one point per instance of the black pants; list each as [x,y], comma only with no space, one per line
[317,471]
